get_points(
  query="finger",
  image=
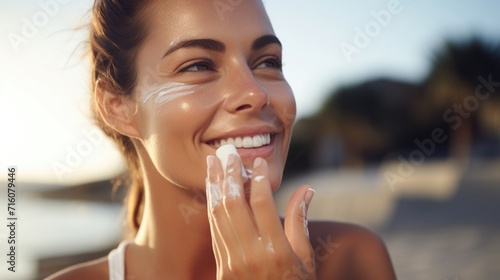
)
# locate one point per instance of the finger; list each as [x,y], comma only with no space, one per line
[296,228]
[218,248]
[215,238]
[213,199]
[222,235]
[237,210]
[264,209]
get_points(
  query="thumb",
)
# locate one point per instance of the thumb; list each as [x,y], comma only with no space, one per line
[296,229]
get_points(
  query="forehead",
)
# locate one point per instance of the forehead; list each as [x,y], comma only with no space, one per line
[229,21]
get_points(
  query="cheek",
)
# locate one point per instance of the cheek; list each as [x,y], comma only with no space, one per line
[171,126]
[285,108]
[289,111]
[283,102]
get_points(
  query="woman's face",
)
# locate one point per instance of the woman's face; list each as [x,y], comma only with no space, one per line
[209,72]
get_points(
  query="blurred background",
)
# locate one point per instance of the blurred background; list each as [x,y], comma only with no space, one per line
[398,129]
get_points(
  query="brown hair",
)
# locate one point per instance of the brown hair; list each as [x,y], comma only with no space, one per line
[117,29]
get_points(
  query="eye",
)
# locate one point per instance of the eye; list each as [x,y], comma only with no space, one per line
[199,66]
[271,62]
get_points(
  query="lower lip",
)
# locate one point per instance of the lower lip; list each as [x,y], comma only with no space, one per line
[252,153]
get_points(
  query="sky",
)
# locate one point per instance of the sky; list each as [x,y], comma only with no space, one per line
[45,126]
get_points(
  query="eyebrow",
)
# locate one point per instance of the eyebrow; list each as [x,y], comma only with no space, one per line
[218,46]
[208,44]
[265,40]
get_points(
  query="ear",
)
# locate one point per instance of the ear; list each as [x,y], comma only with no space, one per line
[117,110]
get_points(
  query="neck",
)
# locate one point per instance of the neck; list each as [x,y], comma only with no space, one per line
[174,237]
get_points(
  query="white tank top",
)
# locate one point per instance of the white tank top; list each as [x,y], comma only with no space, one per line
[116,261]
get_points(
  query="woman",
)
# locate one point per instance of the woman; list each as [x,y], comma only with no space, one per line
[174,80]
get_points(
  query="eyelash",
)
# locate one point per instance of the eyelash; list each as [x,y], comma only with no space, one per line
[276,63]
[205,62]
[210,66]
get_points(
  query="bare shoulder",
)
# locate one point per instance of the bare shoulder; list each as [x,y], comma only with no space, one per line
[96,269]
[348,251]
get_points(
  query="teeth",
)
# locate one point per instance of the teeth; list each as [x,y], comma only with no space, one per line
[238,142]
[247,142]
[255,141]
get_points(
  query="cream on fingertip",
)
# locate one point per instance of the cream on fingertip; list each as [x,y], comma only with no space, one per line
[223,153]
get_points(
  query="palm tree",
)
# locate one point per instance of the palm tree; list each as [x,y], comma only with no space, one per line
[459,69]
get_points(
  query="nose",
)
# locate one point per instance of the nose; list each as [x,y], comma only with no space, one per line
[245,94]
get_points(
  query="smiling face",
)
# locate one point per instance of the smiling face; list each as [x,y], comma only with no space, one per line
[206,77]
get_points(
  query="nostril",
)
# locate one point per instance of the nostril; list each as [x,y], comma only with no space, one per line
[244,107]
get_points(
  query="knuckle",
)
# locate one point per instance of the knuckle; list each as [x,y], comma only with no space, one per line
[230,203]
[252,263]
[259,201]
[236,270]
[280,259]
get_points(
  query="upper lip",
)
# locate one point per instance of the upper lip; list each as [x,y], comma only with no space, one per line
[244,131]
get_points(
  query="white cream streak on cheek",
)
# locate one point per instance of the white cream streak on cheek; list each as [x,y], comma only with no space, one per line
[166,92]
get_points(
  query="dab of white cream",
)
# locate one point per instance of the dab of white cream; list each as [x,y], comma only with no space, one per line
[223,153]
[166,92]
[215,195]
[259,178]
[234,188]
[270,247]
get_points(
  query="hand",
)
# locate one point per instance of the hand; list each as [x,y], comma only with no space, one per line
[248,238]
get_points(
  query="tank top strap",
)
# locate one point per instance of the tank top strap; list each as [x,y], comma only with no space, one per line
[116,261]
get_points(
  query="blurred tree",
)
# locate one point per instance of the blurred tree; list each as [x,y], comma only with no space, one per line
[381,119]
[463,89]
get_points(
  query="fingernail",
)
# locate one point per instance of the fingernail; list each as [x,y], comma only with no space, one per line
[309,196]
[257,162]
[223,153]
[210,161]
[231,159]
